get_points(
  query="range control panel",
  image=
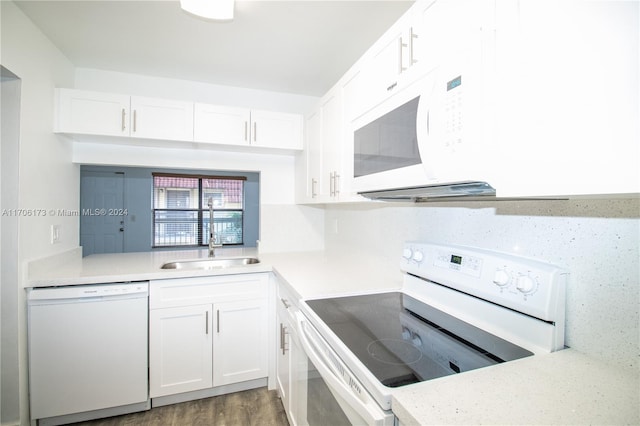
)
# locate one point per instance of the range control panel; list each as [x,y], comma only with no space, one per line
[526,285]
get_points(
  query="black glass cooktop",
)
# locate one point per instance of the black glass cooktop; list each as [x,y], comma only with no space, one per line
[402,341]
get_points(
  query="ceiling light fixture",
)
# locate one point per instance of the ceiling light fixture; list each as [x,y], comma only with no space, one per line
[219,10]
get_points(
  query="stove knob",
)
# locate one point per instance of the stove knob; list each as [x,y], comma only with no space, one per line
[418,256]
[525,284]
[416,340]
[407,253]
[501,278]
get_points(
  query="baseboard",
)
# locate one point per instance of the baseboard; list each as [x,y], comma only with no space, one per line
[207,393]
[97,414]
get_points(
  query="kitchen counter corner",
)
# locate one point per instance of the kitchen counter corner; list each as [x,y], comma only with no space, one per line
[564,387]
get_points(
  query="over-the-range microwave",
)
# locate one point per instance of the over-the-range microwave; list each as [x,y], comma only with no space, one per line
[433,132]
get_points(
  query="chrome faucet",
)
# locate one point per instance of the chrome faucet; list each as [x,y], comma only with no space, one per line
[212,234]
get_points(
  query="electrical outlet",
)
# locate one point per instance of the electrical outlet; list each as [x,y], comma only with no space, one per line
[55,234]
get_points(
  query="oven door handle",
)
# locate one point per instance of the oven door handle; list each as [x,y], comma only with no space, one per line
[365,405]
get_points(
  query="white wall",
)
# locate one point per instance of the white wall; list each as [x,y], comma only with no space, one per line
[9,288]
[142,85]
[46,179]
[597,240]
[276,171]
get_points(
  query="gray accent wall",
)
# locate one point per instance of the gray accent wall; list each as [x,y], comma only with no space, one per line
[138,198]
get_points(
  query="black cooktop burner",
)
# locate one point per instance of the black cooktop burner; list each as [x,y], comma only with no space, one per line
[394,351]
[402,341]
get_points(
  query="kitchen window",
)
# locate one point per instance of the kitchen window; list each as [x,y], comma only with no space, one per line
[181,211]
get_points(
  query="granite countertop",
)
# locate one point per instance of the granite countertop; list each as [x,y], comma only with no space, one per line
[71,268]
[564,387]
[561,388]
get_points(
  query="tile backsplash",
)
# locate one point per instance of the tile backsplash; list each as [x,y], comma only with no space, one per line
[596,239]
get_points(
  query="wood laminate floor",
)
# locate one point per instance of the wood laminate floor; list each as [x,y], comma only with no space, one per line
[256,407]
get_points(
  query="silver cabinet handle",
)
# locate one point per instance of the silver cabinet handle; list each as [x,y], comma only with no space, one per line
[218,320]
[246,131]
[334,188]
[401,45]
[283,342]
[314,182]
[123,115]
[285,303]
[135,116]
[206,322]
[412,37]
[282,338]
[255,131]
[332,184]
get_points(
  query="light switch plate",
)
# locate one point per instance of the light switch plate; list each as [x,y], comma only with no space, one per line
[55,234]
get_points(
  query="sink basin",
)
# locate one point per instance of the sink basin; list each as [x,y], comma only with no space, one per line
[211,263]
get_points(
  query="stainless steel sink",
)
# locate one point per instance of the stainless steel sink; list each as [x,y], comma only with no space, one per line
[211,263]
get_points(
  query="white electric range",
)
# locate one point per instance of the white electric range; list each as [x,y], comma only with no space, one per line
[459,309]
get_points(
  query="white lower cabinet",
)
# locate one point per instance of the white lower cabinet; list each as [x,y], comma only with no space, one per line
[240,341]
[291,360]
[180,342]
[284,356]
[207,332]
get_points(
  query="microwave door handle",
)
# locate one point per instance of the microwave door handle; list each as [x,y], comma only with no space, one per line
[368,410]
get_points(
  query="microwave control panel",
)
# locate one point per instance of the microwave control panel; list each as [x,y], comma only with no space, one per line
[453,106]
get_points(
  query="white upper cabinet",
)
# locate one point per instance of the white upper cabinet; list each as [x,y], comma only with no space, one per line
[225,125]
[397,59]
[332,143]
[311,161]
[276,130]
[84,112]
[108,114]
[567,95]
[221,124]
[154,118]
[556,113]
[92,113]
[325,169]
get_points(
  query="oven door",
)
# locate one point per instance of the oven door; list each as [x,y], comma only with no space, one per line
[333,394]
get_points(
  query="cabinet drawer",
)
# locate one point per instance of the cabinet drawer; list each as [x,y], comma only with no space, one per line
[190,291]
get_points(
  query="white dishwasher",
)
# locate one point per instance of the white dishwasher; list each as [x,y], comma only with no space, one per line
[87,350]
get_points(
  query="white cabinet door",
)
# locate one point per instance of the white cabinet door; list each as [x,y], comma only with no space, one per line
[396,61]
[276,130]
[568,123]
[332,144]
[180,349]
[283,358]
[298,378]
[240,347]
[161,119]
[313,156]
[92,113]
[221,124]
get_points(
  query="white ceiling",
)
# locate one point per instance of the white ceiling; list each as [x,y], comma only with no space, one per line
[300,47]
